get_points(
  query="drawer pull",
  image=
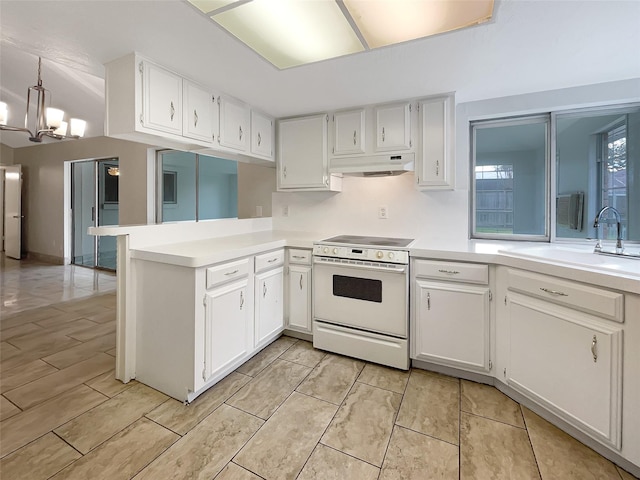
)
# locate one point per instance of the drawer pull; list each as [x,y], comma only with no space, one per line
[272,260]
[264,289]
[241,300]
[232,273]
[300,281]
[450,272]
[428,301]
[298,257]
[594,351]
[554,292]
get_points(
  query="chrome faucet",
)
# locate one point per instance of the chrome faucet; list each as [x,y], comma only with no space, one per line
[596,224]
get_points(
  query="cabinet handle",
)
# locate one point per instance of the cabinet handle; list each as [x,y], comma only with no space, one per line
[554,292]
[298,257]
[195,118]
[232,273]
[301,283]
[594,351]
[241,300]
[259,139]
[240,132]
[264,289]
[437,168]
[450,272]
[272,260]
[354,137]
[383,134]
[284,172]
[428,301]
[173,111]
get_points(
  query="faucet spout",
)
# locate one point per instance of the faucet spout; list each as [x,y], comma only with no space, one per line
[596,224]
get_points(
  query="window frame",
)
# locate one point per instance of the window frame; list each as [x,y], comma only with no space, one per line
[474,125]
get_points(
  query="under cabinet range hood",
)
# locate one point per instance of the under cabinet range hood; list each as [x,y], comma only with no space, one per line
[373,165]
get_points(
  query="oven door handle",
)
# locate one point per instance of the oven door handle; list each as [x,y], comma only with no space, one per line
[399,269]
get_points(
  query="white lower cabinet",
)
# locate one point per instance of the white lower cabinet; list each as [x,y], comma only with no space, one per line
[299,296]
[269,313]
[569,362]
[227,328]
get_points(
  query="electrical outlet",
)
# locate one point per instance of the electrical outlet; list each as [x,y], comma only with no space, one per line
[285,211]
[258,210]
[383,212]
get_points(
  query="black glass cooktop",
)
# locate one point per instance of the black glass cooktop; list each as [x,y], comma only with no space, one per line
[373,241]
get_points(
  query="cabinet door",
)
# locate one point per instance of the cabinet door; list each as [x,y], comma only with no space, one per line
[302,156]
[452,325]
[269,312]
[234,124]
[161,99]
[197,118]
[299,296]
[348,132]
[261,135]
[436,127]
[393,127]
[568,362]
[228,333]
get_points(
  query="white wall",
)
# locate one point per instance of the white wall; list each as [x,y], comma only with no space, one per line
[6,155]
[438,215]
[255,184]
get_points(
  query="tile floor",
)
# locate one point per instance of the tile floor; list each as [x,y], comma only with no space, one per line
[290,412]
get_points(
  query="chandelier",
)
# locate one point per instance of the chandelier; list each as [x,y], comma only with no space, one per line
[48,121]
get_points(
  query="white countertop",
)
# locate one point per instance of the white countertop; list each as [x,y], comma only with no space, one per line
[571,261]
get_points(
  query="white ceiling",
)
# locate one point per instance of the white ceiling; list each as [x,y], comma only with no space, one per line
[530,45]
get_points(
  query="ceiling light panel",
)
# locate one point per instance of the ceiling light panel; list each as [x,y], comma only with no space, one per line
[208,6]
[385,22]
[291,32]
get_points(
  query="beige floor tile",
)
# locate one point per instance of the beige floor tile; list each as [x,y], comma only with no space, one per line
[33,315]
[431,406]
[487,401]
[181,418]
[263,359]
[90,429]
[8,351]
[103,317]
[111,352]
[25,427]
[282,446]
[81,352]
[38,460]
[303,353]
[560,456]
[97,330]
[363,425]
[68,328]
[332,379]
[235,472]
[329,464]
[10,379]
[413,456]
[19,330]
[625,475]
[490,449]
[124,455]
[7,409]
[47,346]
[384,377]
[47,387]
[266,392]
[204,451]
[107,384]
[58,317]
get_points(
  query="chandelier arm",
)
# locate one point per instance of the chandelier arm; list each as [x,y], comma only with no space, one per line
[15,129]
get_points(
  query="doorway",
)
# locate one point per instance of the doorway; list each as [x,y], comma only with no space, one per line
[94,203]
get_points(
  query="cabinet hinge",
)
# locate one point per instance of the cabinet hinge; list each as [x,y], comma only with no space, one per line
[410,107]
[333,149]
[327,118]
[417,107]
[410,144]
[213,98]
[504,372]
[333,119]
[141,67]
[218,100]
[141,119]
[204,372]
[490,296]
[505,300]
[490,365]
[204,301]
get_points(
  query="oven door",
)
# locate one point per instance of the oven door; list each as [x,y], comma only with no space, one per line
[362,295]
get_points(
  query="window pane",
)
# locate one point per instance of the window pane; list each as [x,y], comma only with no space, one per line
[217,188]
[179,186]
[510,178]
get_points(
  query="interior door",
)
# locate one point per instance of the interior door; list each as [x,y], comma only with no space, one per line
[83,204]
[108,211]
[13,211]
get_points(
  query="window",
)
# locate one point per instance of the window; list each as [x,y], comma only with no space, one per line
[510,178]
[613,180]
[194,187]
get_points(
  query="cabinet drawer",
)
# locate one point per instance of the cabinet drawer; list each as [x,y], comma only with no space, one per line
[603,303]
[269,260]
[457,272]
[227,272]
[300,256]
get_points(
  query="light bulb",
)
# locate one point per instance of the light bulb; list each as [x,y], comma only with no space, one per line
[61,130]
[54,117]
[77,127]
[4,113]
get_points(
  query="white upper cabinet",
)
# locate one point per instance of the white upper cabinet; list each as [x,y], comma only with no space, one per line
[199,113]
[349,132]
[303,163]
[435,162]
[161,99]
[393,127]
[234,124]
[262,135]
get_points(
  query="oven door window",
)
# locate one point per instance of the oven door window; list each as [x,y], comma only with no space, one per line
[366,289]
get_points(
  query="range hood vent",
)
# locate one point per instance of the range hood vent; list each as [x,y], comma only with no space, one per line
[373,165]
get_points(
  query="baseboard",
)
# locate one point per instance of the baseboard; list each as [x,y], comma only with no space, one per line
[44,258]
[299,335]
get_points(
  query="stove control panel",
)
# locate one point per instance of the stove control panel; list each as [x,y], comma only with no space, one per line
[362,253]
